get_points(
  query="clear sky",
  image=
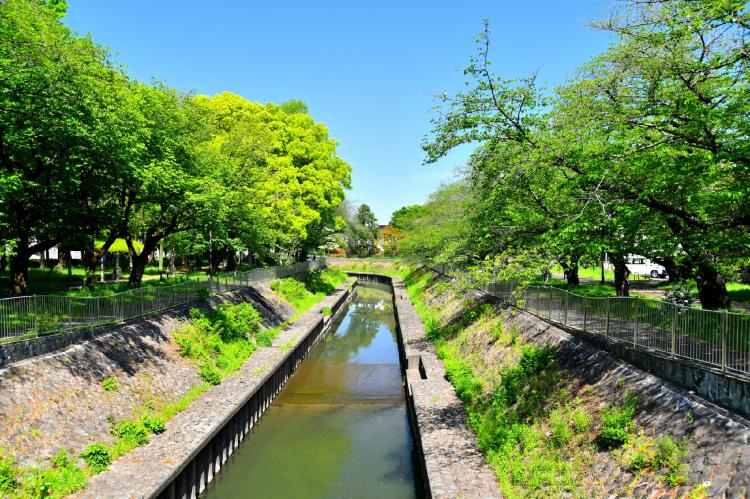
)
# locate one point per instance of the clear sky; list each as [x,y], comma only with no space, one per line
[368,70]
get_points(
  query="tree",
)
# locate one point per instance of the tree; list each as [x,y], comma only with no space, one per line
[59,97]
[366,217]
[390,237]
[405,217]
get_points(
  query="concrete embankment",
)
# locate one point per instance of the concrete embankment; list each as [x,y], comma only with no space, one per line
[57,400]
[200,439]
[719,441]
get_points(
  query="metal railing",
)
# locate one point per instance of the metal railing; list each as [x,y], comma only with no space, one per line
[718,339]
[29,316]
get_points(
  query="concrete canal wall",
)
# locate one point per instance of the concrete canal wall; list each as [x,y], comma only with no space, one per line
[451,464]
[181,462]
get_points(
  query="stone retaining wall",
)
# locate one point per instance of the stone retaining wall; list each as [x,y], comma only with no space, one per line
[57,399]
[719,445]
[181,462]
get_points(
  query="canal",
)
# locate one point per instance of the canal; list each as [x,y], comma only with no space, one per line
[339,428]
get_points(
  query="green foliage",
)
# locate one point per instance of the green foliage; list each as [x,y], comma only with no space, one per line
[8,475]
[63,478]
[110,384]
[154,424]
[209,374]
[617,422]
[293,291]
[681,293]
[326,311]
[219,341]
[97,457]
[130,432]
[310,290]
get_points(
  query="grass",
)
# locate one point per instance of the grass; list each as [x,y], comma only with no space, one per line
[219,341]
[303,293]
[541,440]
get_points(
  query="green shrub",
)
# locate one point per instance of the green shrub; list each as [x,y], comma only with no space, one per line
[292,291]
[669,455]
[97,457]
[8,474]
[581,421]
[131,432]
[264,338]
[62,479]
[326,311]
[237,321]
[617,422]
[209,374]
[323,281]
[154,424]
[110,384]
[561,432]
[203,293]
[467,386]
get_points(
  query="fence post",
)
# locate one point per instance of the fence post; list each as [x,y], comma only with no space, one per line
[174,297]
[36,315]
[724,331]
[674,330]
[635,326]
[140,290]
[70,312]
[585,311]
[538,312]
[606,320]
[565,314]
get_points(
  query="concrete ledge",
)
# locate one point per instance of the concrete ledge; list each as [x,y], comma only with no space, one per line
[451,464]
[182,461]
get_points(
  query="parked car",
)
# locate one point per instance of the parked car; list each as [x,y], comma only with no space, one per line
[641,265]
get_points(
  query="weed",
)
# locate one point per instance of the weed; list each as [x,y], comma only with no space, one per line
[154,424]
[8,474]
[209,374]
[669,455]
[617,422]
[326,311]
[689,418]
[581,421]
[110,384]
[131,432]
[97,457]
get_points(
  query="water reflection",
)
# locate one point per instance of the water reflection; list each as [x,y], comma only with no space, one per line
[339,428]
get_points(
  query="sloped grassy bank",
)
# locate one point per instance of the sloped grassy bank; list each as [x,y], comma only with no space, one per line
[216,341]
[543,429]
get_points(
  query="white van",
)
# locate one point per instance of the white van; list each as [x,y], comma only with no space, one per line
[641,265]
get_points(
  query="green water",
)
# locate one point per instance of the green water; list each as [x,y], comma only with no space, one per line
[339,428]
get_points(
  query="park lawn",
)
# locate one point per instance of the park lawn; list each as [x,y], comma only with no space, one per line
[588,273]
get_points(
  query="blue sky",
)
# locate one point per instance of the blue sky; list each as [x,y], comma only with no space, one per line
[369,71]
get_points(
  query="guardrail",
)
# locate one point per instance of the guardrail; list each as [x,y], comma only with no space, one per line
[29,316]
[718,339]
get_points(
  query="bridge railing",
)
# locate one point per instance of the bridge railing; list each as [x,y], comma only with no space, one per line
[29,316]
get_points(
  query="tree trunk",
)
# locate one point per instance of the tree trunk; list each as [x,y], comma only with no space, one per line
[69,263]
[622,286]
[570,270]
[3,263]
[42,262]
[171,262]
[675,272]
[118,269]
[60,259]
[19,272]
[161,257]
[139,266]
[231,261]
[712,288]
